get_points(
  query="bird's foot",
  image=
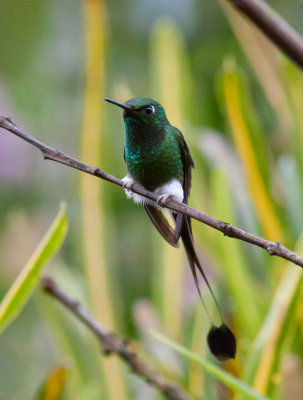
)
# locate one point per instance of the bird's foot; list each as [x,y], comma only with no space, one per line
[128,186]
[162,199]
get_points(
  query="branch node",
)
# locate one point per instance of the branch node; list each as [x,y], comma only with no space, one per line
[97,171]
[227,229]
[110,343]
[48,283]
[45,155]
[73,163]
[106,349]
[4,120]
[273,247]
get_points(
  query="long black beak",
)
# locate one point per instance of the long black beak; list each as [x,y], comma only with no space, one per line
[117,103]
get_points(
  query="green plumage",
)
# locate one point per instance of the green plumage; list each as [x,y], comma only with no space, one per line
[152,163]
[152,150]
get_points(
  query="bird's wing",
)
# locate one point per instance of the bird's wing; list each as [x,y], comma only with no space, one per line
[188,164]
[161,224]
[157,217]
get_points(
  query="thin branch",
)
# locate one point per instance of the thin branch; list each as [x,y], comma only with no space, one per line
[273,26]
[111,343]
[273,248]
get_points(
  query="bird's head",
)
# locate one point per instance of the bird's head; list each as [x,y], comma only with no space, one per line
[142,110]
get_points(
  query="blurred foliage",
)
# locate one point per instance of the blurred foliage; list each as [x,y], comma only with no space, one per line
[212,369]
[28,279]
[54,384]
[238,102]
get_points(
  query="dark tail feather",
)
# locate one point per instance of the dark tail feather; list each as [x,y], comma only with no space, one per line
[221,340]
[162,225]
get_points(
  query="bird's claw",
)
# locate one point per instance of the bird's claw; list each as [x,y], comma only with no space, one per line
[128,186]
[162,199]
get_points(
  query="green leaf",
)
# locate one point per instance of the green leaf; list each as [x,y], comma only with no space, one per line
[24,285]
[221,375]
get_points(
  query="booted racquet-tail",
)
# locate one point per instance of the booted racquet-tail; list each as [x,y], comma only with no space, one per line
[158,158]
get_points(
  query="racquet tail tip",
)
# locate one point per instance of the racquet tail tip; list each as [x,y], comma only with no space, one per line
[222,342]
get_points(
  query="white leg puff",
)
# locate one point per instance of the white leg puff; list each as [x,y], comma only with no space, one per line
[173,188]
[128,182]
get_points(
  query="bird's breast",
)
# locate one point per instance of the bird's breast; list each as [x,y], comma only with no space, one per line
[153,166]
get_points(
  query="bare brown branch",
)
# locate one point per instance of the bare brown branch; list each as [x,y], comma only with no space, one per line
[113,344]
[273,26]
[273,248]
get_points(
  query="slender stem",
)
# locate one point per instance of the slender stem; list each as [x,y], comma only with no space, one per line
[273,248]
[111,343]
[273,26]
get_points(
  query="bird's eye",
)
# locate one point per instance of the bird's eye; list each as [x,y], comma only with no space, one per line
[149,110]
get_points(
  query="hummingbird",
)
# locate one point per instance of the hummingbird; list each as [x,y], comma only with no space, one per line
[158,158]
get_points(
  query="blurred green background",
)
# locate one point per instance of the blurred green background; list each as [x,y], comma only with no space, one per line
[239,104]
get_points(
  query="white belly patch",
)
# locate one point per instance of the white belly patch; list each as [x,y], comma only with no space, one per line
[172,188]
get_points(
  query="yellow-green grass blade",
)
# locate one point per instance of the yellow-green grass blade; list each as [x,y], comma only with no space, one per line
[171,80]
[267,348]
[213,370]
[288,336]
[235,75]
[233,97]
[92,201]
[246,304]
[196,381]
[294,81]
[28,279]
[54,385]
[264,59]
[169,73]
[200,199]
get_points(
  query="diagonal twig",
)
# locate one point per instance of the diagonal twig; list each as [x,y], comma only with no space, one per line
[273,26]
[273,248]
[113,344]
